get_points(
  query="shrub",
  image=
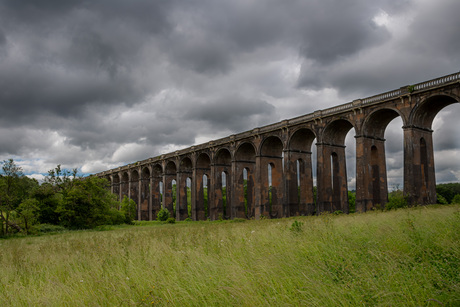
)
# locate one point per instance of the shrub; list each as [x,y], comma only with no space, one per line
[441,200]
[128,209]
[45,228]
[188,220]
[456,199]
[163,215]
[171,220]
[396,200]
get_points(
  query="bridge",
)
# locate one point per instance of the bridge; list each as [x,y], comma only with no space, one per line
[267,171]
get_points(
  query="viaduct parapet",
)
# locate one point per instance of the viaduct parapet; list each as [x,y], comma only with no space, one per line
[267,171]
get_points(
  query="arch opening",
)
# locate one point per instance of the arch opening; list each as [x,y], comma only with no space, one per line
[244,192]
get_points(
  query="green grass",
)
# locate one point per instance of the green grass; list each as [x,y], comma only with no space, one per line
[407,257]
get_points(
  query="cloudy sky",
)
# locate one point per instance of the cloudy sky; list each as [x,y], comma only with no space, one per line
[98,84]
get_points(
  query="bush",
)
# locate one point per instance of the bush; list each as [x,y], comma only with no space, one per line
[46,228]
[441,200]
[188,220]
[163,215]
[396,200]
[456,199]
[171,220]
[128,209]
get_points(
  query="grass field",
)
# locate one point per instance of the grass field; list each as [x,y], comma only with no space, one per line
[408,257]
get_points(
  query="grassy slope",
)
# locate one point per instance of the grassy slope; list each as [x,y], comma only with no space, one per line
[404,257]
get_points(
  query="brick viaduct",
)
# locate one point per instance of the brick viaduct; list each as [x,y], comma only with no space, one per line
[243,160]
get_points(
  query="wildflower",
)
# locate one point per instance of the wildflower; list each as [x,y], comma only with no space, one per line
[253,231]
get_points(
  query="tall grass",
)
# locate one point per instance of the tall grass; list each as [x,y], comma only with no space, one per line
[404,257]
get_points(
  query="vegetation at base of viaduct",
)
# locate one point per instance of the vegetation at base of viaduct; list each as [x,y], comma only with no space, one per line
[63,200]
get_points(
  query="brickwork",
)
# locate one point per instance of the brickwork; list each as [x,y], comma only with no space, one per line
[287,147]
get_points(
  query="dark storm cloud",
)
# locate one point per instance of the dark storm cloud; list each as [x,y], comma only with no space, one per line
[102,82]
[233,113]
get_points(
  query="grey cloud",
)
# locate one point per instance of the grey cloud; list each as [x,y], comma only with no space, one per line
[163,74]
[233,113]
[338,30]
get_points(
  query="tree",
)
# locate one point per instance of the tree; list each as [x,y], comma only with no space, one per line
[9,193]
[87,203]
[128,208]
[28,212]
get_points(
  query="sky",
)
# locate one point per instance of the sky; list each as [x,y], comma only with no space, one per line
[95,85]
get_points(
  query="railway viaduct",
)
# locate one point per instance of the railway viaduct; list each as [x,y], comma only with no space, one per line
[267,171]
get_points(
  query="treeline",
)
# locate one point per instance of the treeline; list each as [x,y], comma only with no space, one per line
[62,201]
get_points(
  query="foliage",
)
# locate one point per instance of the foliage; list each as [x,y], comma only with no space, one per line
[14,189]
[296,227]
[48,201]
[351,201]
[88,203]
[163,214]
[456,199]
[224,200]
[396,200]
[206,202]
[448,190]
[245,192]
[128,208]
[28,212]
[48,228]
[441,200]
[171,220]
[189,202]
[174,196]
[188,220]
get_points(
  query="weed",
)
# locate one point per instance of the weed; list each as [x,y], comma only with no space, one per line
[163,214]
[296,227]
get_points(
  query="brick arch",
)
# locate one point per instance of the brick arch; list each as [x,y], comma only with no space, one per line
[301,140]
[145,194]
[245,163]
[376,122]
[371,174]
[124,185]
[419,170]
[200,208]
[331,167]
[336,131]
[223,157]
[299,173]
[185,165]
[271,172]
[185,172]
[203,161]
[246,152]
[221,198]
[157,170]
[115,180]
[134,190]
[423,114]
[272,146]
[170,168]
[170,174]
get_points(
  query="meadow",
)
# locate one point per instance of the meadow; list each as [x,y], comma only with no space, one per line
[407,257]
